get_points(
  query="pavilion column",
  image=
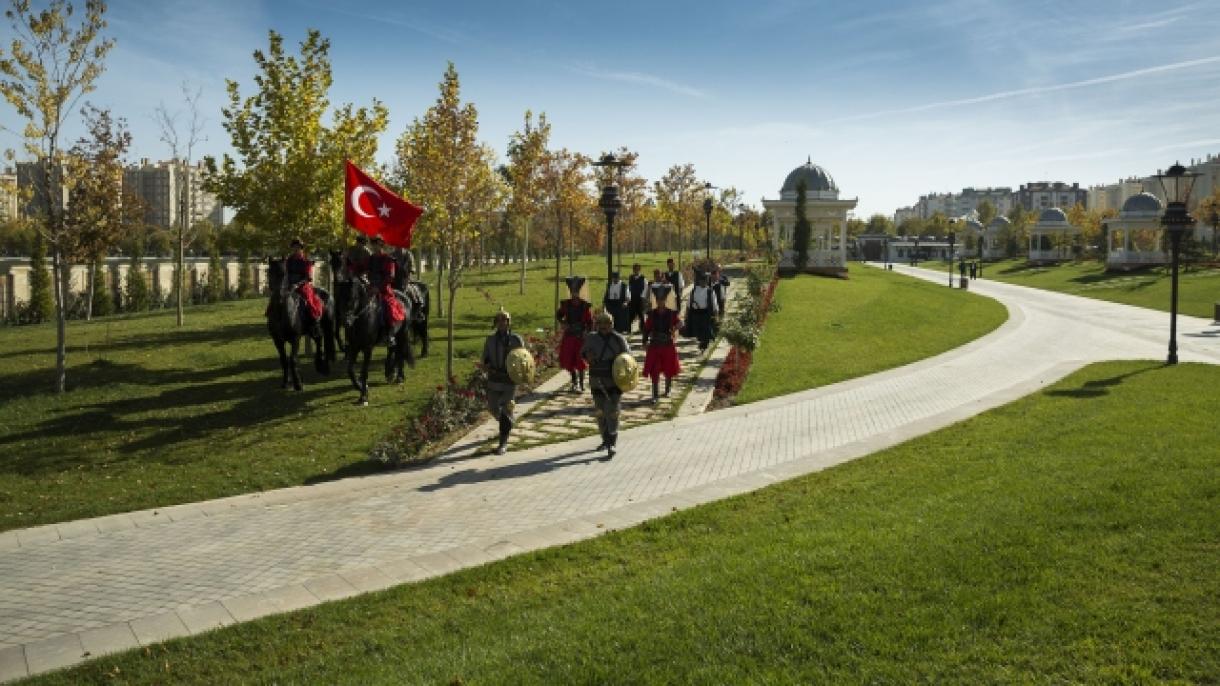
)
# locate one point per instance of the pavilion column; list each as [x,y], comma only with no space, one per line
[843,243]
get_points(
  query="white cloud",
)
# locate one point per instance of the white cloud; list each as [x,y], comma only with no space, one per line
[641,79]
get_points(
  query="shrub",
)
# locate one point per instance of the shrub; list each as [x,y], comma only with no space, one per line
[103,303]
[41,307]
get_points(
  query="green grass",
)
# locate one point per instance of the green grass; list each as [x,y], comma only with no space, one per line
[1069,537]
[1198,289]
[828,330]
[158,415]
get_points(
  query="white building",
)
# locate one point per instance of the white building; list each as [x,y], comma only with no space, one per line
[1133,238]
[1050,238]
[827,215]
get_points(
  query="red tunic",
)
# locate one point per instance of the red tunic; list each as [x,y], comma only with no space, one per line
[381,275]
[662,356]
[576,318]
[300,271]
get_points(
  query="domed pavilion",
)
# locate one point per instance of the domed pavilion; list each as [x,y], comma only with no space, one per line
[1051,237]
[1137,232]
[827,216]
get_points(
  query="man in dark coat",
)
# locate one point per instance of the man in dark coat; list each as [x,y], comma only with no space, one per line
[700,307]
[674,277]
[637,289]
[599,350]
[615,302]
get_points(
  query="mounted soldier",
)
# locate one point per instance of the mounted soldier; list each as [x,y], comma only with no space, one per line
[381,273]
[298,275]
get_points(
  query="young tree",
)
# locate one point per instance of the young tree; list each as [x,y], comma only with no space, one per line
[678,197]
[1208,212]
[526,157]
[50,64]
[879,223]
[95,203]
[182,142]
[100,301]
[451,174]
[986,212]
[565,184]
[1019,220]
[290,180]
[802,232]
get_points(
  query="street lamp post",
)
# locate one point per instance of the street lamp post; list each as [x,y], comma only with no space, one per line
[610,203]
[1176,183]
[952,240]
[707,214]
[915,253]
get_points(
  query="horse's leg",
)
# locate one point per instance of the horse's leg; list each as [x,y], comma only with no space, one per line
[296,374]
[352,355]
[364,377]
[284,362]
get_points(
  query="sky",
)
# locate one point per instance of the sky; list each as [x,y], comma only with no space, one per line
[893,99]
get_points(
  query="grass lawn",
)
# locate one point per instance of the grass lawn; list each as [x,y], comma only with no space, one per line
[1198,290]
[828,330]
[158,415]
[1071,536]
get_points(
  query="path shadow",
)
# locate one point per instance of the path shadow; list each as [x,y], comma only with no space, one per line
[1097,387]
[1211,333]
[513,471]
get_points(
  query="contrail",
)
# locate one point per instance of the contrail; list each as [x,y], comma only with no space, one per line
[1035,90]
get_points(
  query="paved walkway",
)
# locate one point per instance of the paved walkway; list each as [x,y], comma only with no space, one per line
[77,590]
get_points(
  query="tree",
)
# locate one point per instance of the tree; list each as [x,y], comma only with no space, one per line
[182,151]
[136,297]
[879,223]
[452,175]
[802,232]
[526,156]
[290,180]
[95,208]
[986,212]
[100,302]
[49,66]
[1019,220]
[677,194]
[1208,212]
[565,183]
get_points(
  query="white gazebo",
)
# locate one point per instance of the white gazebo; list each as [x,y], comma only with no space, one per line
[1133,238]
[1049,237]
[993,238]
[827,216]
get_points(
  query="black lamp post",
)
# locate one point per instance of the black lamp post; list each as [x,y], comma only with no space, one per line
[707,214]
[1176,183]
[915,253]
[952,240]
[610,203]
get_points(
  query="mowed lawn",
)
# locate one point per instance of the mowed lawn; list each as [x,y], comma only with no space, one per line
[1069,537]
[158,415]
[828,330]
[1198,290]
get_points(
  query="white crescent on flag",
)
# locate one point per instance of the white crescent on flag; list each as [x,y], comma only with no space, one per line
[355,199]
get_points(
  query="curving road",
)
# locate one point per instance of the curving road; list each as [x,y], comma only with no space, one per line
[78,590]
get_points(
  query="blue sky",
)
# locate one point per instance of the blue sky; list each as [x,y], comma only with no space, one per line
[893,99]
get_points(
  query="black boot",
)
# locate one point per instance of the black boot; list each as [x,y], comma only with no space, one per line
[506,425]
[655,398]
[575,384]
[669,382]
[582,381]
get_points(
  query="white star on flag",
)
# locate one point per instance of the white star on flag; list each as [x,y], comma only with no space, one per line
[384,210]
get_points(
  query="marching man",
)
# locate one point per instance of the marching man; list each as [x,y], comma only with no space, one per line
[660,332]
[615,302]
[600,350]
[637,288]
[699,310]
[501,386]
[575,315]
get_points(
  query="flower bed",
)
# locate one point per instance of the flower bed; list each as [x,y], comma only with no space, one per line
[743,331]
[454,409]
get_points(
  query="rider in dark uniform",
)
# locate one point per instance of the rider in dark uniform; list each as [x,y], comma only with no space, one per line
[381,278]
[500,387]
[298,270]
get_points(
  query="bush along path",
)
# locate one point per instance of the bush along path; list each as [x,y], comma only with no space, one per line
[742,330]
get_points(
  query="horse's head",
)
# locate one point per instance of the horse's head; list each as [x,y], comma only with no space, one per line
[336,260]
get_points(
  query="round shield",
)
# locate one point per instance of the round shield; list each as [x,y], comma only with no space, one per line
[520,365]
[626,372]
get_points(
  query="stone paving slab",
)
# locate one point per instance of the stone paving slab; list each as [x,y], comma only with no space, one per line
[260,554]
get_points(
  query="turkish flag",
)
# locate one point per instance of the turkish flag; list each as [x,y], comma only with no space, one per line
[371,209]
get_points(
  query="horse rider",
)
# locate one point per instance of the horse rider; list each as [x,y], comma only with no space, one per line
[661,333]
[500,387]
[356,260]
[405,281]
[599,350]
[615,302]
[637,288]
[575,315]
[298,273]
[381,278]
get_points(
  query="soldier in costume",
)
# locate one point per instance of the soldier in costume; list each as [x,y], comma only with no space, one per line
[356,259]
[615,302]
[405,280]
[298,271]
[637,289]
[381,277]
[661,332]
[501,388]
[699,310]
[599,350]
[674,277]
[575,315]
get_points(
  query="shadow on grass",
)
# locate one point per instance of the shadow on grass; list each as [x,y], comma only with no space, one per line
[1097,387]
[513,471]
[101,373]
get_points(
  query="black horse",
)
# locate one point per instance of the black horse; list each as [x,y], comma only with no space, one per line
[366,327]
[342,288]
[287,323]
[417,293]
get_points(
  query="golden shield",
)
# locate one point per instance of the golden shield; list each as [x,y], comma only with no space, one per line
[520,365]
[626,372]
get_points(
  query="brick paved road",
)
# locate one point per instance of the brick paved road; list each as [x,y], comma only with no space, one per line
[100,585]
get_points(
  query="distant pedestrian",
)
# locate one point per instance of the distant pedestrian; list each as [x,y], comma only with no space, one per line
[599,350]
[961,268]
[974,268]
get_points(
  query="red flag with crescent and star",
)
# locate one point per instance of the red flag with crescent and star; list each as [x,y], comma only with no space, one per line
[371,209]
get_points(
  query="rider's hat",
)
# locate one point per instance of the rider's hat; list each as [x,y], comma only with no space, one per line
[296,243]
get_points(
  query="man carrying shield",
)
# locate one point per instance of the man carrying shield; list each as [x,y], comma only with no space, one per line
[601,349]
[575,315]
[502,358]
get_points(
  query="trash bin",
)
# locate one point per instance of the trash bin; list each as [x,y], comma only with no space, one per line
[965,283]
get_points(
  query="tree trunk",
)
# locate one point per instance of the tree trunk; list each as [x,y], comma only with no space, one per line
[181,275]
[440,283]
[92,276]
[525,247]
[558,254]
[453,289]
[61,320]
[571,245]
